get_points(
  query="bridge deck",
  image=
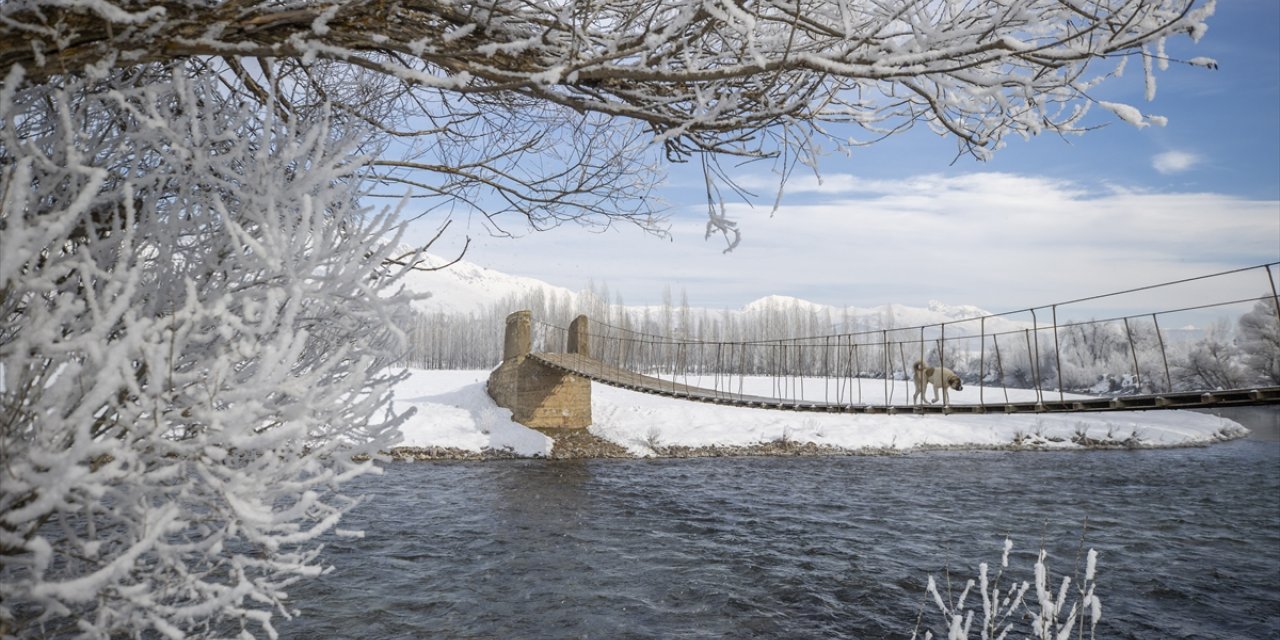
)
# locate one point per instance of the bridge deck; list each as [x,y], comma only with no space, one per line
[623,378]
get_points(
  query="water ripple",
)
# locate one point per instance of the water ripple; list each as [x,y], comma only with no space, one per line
[798,548]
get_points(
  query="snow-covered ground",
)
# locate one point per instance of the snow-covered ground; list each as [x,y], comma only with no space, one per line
[454,411]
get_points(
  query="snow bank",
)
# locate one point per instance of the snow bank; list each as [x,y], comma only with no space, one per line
[454,411]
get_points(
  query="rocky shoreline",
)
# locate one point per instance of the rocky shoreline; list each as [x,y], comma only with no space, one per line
[578,444]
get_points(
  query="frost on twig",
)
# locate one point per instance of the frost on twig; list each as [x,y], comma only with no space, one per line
[1019,607]
[552,109]
[197,328]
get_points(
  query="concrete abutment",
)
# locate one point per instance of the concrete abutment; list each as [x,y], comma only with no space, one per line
[540,396]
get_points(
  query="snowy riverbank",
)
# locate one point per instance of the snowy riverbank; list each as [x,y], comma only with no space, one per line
[456,416]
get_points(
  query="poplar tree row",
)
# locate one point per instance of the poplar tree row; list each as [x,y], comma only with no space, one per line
[790,338]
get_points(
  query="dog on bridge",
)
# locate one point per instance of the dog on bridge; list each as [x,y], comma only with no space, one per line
[939,377]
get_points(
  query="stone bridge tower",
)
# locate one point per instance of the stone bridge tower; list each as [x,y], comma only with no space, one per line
[537,395]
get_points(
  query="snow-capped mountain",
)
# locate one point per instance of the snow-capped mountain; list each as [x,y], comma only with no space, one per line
[466,288]
[768,303]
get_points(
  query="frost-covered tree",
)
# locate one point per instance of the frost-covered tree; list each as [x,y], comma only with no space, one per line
[1213,362]
[477,91]
[1259,340]
[196,330]
[1092,352]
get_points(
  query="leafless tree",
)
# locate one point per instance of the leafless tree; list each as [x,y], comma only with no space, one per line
[1213,362]
[553,108]
[1260,340]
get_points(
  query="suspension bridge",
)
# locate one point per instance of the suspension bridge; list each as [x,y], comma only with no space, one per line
[1028,361]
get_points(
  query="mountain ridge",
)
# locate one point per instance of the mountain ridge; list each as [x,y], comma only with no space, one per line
[466,288]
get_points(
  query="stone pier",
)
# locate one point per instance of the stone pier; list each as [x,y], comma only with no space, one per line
[537,395]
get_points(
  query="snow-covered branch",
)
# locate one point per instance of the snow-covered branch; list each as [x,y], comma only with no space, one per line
[699,77]
[1004,606]
[197,328]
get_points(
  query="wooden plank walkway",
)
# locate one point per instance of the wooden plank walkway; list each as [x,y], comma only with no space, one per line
[617,377]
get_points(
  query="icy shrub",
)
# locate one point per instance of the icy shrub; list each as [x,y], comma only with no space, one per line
[653,439]
[195,346]
[1081,435]
[1214,362]
[1003,608]
[1260,341]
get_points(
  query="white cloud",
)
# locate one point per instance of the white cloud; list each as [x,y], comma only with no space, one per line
[1174,161]
[997,240]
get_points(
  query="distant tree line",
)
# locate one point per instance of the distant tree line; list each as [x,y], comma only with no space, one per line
[1136,356]
[788,338]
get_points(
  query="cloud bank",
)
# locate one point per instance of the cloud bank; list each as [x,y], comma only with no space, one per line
[997,240]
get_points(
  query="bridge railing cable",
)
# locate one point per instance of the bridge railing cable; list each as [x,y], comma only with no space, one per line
[1041,354]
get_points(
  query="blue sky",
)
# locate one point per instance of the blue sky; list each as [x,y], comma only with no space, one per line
[1046,220]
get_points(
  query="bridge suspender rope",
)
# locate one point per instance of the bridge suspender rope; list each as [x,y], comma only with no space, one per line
[982,361]
[786,372]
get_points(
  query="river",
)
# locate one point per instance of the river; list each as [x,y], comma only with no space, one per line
[830,547]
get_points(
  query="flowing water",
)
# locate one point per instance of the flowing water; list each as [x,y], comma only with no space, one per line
[831,547]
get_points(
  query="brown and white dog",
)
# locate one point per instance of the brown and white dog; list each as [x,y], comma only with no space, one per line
[939,377]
